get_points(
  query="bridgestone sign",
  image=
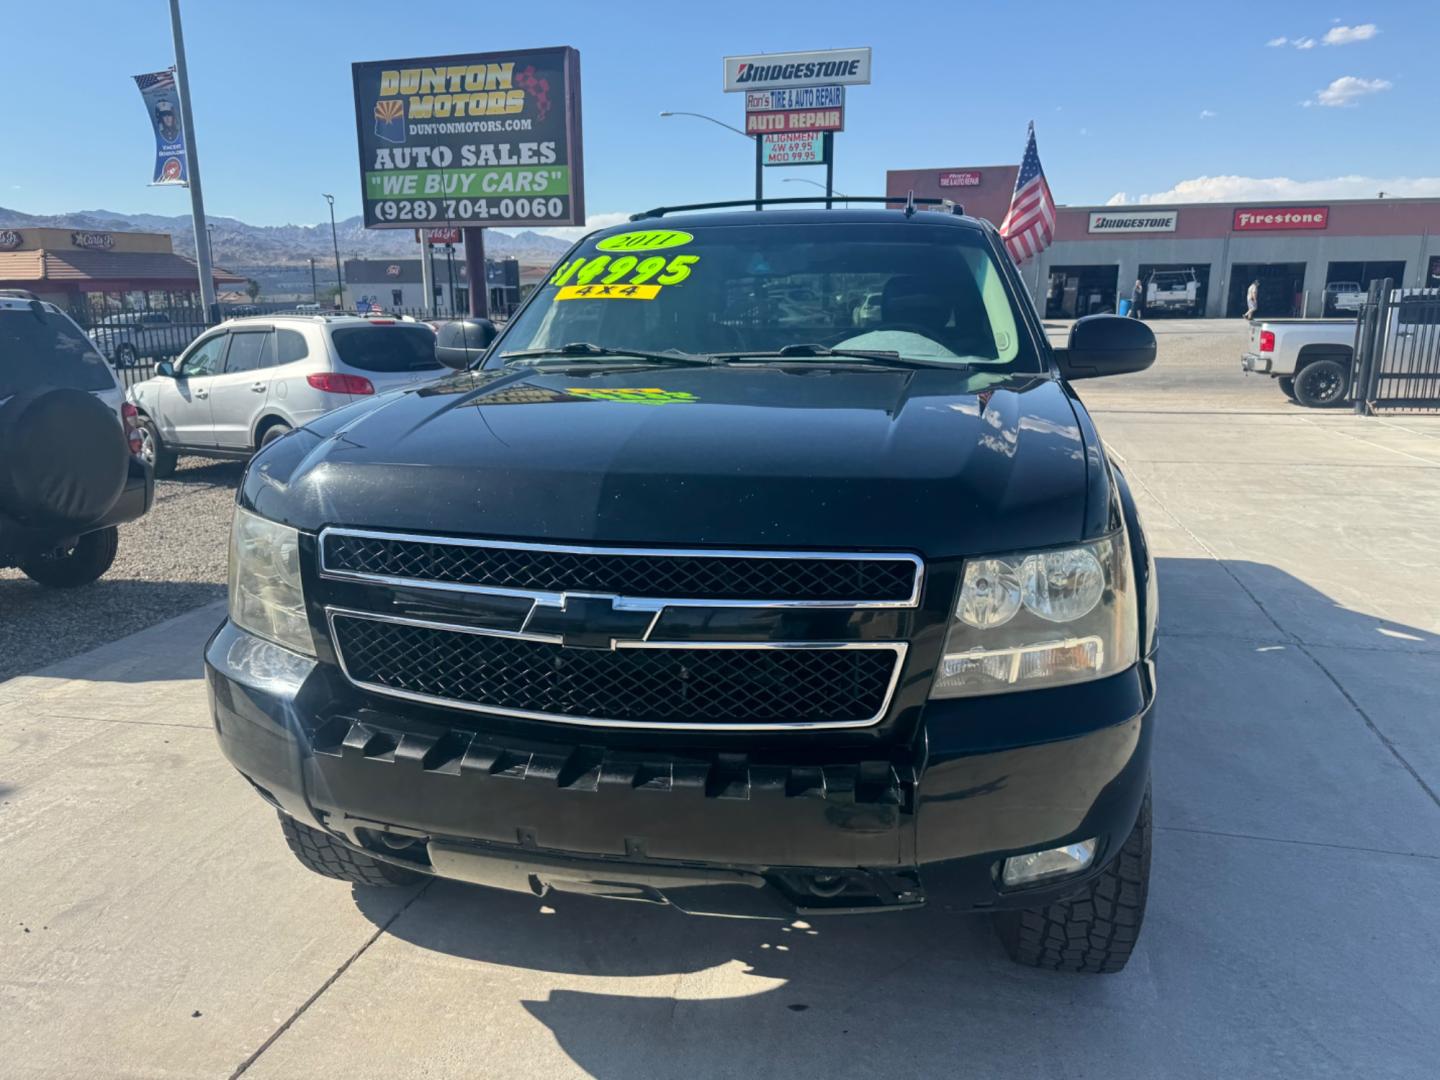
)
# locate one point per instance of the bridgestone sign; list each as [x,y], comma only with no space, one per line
[1134,221]
[780,71]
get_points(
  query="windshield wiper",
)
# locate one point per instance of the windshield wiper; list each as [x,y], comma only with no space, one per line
[584,350]
[888,358]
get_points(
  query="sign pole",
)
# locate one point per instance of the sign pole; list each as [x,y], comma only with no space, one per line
[475,268]
[829,170]
[192,159]
[427,304]
[759,171]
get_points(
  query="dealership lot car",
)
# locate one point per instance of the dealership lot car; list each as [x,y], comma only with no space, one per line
[696,594]
[68,476]
[250,381]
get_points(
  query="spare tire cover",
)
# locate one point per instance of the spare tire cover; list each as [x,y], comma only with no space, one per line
[63,457]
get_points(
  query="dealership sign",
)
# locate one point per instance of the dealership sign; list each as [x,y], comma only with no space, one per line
[801,148]
[965,178]
[1132,221]
[10,239]
[766,71]
[1265,218]
[477,139]
[761,123]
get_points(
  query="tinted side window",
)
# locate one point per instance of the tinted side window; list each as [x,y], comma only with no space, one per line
[204,359]
[290,346]
[387,348]
[246,352]
[42,349]
[1419,310]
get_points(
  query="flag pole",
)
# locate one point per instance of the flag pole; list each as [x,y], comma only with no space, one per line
[192,162]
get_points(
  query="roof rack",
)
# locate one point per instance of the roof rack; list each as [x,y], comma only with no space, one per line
[910,202]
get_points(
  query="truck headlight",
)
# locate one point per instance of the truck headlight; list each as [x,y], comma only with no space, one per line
[1038,619]
[266,596]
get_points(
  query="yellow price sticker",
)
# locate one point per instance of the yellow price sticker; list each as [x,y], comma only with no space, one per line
[608,292]
[644,240]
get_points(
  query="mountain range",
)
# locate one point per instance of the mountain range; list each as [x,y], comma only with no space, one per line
[238,245]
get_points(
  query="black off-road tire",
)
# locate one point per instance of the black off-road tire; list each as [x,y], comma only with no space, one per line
[68,568]
[328,857]
[126,356]
[1287,386]
[1094,931]
[1322,383]
[163,460]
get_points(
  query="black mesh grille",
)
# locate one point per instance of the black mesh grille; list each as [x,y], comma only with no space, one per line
[697,577]
[657,686]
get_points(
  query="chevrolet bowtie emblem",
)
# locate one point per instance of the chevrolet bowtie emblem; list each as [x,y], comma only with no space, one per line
[585,621]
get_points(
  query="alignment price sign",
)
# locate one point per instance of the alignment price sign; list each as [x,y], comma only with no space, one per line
[477,139]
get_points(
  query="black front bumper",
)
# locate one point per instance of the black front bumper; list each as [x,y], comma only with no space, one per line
[719,831]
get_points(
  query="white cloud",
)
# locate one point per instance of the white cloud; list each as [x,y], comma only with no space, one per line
[1349,35]
[1207,114]
[1347,90]
[1304,43]
[1283,188]
[1275,43]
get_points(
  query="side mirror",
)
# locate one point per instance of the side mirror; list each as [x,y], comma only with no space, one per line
[1106,345]
[166,368]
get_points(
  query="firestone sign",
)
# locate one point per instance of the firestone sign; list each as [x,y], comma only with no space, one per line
[767,71]
[1133,221]
[1263,218]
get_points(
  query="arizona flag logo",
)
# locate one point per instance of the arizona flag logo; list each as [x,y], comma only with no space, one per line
[390,121]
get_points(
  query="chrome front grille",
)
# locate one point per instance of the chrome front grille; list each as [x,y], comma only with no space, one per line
[680,686]
[586,643]
[807,579]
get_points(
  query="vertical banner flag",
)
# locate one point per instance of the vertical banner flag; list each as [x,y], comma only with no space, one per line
[1030,225]
[158,90]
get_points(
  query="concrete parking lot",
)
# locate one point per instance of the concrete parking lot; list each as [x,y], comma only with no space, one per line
[153,923]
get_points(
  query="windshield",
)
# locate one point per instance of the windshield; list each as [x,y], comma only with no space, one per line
[922,291]
[44,349]
[387,348]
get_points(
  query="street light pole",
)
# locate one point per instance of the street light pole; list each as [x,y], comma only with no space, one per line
[314,287]
[203,264]
[829,191]
[339,280]
[759,150]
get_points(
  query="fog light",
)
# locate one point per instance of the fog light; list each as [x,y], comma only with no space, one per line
[1051,863]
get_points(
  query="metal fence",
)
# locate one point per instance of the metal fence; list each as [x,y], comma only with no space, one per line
[135,337]
[1397,351]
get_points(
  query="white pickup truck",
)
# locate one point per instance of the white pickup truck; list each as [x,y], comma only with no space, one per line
[1343,296]
[1173,290]
[1310,358]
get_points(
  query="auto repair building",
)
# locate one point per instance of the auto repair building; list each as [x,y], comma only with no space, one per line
[1293,250]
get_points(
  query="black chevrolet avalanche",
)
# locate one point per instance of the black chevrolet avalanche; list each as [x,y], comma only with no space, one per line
[766,564]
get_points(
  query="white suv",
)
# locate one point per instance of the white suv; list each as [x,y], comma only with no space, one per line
[249,381]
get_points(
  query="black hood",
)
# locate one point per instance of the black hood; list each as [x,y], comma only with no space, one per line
[937,462]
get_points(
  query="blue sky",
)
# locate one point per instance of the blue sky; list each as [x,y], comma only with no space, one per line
[1127,98]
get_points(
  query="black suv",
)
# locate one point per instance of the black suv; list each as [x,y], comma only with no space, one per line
[70,473]
[697,590]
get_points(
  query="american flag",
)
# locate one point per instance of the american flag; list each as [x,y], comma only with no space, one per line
[158,80]
[1030,225]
